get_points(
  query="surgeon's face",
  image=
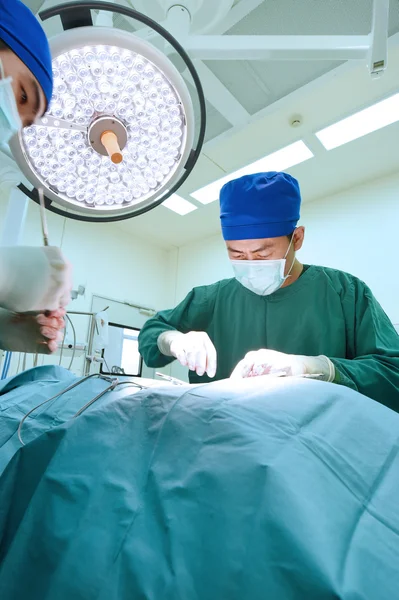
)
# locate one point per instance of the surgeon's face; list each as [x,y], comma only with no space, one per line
[268,248]
[29,96]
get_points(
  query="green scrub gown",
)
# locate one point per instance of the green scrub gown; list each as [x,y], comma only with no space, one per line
[324,312]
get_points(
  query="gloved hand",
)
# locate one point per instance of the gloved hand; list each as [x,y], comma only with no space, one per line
[270,362]
[34,279]
[31,334]
[193,349]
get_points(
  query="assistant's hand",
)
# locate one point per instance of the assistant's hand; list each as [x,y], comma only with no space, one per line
[34,279]
[52,327]
[194,350]
[270,362]
[31,334]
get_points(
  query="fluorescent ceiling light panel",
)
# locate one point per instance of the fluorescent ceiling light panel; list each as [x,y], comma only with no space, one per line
[361,123]
[287,157]
[179,205]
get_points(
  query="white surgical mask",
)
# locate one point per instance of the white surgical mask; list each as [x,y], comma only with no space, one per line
[10,121]
[263,277]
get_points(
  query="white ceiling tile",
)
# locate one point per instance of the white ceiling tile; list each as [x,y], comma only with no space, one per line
[283,77]
[241,83]
[260,83]
[307,17]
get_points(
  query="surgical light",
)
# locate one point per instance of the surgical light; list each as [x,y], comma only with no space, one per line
[118,137]
[287,157]
[366,121]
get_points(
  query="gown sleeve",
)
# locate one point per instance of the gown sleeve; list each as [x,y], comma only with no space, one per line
[192,314]
[372,366]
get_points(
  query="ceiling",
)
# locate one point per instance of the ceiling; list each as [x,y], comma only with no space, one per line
[250,103]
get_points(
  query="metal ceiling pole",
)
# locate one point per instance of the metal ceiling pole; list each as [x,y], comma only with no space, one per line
[178,22]
[378,53]
[278,47]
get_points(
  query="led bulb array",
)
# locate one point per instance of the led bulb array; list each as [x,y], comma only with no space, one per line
[93,81]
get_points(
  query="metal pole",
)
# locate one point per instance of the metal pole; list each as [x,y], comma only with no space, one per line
[378,53]
[89,362]
[126,303]
[278,47]
[178,22]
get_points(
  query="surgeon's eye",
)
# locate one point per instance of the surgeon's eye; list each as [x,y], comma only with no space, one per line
[24,96]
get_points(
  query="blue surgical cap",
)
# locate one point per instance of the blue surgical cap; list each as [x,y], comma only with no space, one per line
[22,32]
[258,206]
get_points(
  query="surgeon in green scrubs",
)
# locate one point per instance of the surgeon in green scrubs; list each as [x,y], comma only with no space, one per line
[276,316]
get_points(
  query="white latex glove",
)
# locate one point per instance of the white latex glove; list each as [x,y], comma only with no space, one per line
[34,279]
[270,362]
[194,350]
[32,334]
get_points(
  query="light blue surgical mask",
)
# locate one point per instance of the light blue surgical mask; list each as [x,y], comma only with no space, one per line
[263,277]
[10,121]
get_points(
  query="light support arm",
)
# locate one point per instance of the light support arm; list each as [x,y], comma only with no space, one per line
[278,47]
[378,39]
[178,21]
[371,48]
